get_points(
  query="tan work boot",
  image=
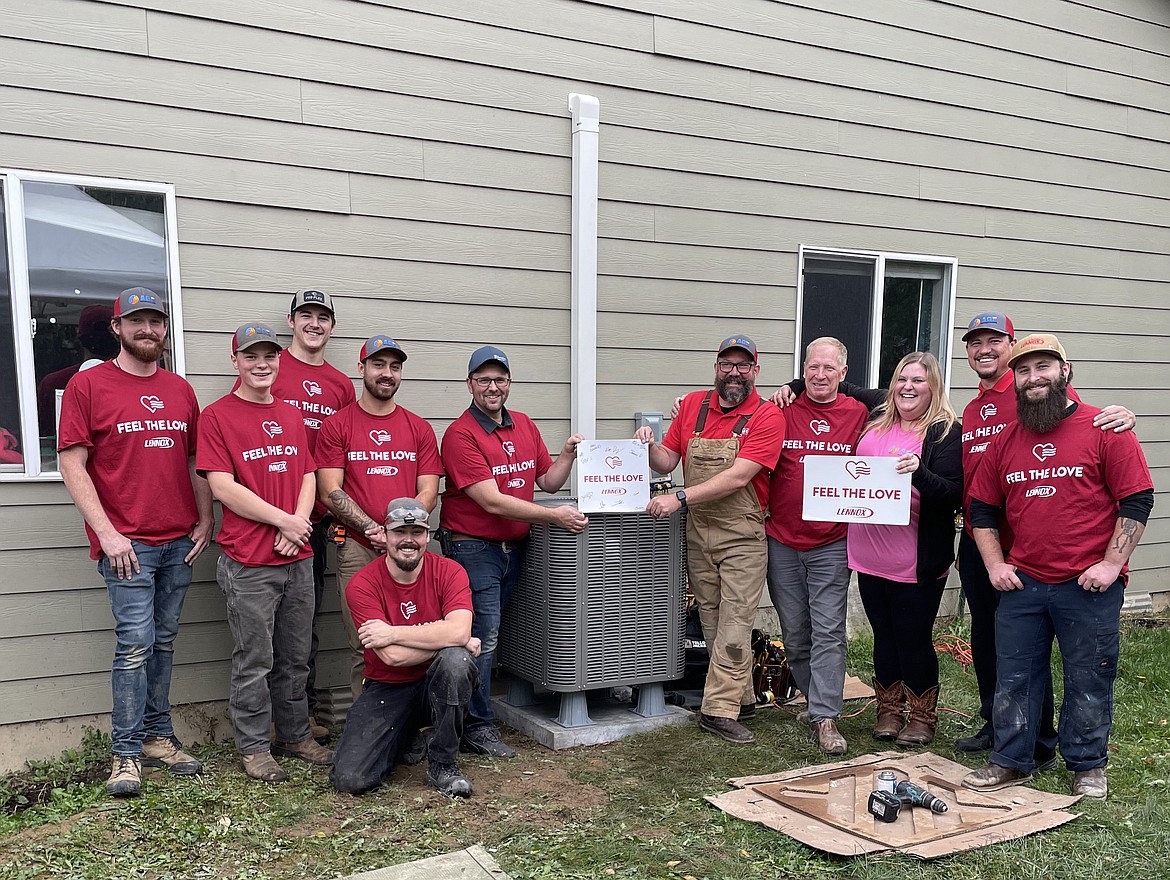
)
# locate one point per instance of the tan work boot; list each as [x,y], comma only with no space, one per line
[308,750]
[923,718]
[827,737]
[262,766]
[316,729]
[167,751]
[891,709]
[125,777]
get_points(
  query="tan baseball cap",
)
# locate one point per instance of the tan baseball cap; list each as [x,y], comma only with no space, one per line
[1046,343]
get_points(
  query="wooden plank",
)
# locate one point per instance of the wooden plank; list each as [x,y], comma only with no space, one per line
[695,336]
[1063,229]
[112,28]
[150,81]
[204,177]
[40,526]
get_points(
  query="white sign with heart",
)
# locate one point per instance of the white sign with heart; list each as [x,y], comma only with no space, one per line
[855,488]
[613,476]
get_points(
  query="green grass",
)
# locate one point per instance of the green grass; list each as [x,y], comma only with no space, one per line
[628,809]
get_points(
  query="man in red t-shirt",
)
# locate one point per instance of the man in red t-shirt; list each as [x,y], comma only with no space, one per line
[1076,500]
[367,454]
[254,452]
[413,612]
[127,434]
[494,459]
[728,441]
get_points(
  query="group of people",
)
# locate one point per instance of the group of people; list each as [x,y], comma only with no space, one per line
[294,459]
[1054,495]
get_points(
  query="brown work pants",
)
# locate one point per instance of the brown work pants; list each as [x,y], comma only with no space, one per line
[351,558]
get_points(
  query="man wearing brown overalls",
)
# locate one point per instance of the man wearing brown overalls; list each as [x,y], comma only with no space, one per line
[728,440]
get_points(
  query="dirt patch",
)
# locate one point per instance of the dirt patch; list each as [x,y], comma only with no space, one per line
[19,791]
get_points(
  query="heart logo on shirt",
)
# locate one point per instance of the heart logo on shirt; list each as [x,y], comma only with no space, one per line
[151,402]
[311,388]
[407,609]
[509,447]
[819,426]
[272,428]
[857,469]
[1043,450]
[987,411]
[613,462]
[380,437]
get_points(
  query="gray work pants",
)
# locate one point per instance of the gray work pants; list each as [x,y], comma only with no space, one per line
[810,589]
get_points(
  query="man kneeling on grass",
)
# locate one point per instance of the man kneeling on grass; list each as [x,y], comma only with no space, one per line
[412,610]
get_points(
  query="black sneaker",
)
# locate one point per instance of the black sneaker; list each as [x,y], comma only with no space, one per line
[486,741]
[980,742]
[448,779]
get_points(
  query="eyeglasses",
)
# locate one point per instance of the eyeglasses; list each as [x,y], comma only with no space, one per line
[485,381]
[729,366]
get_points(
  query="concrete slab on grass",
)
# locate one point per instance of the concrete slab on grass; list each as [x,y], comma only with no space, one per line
[613,720]
[468,864]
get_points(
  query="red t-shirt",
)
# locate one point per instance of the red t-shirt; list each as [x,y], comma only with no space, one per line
[1060,492]
[263,446]
[382,456]
[760,441]
[512,454]
[141,432]
[811,429]
[372,594]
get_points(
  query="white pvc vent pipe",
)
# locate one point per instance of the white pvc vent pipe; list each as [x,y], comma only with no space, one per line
[586,111]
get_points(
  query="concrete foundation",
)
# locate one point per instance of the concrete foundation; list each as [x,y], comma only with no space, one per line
[612,720]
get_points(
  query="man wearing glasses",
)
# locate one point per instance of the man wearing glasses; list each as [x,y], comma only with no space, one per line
[494,459]
[728,441]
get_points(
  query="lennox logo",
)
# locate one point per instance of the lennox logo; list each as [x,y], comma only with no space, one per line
[819,426]
[1043,451]
[615,490]
[315,424]
[516,483]
[385,470]
[856,512]
[379,436]
[987,411]
[151,402]
[1040,492]
[278,467]
[272,428]
[158,443]
[311,388]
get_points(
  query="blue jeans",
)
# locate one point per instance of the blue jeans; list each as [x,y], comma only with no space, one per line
[493,574]
[1087,628]
[146,610]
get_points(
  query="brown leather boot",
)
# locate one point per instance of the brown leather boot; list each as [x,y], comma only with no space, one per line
[891,709]
[923,718]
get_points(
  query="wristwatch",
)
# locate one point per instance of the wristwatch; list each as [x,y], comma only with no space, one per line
[681,495]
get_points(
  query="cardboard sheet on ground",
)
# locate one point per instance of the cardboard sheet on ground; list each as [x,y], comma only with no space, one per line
[855,689]
[825,807]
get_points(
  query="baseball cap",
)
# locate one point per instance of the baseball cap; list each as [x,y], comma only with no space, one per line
[1034,342]
[312,297]
[253,333]
[406,512]
[481,356]
[737,342]
[997,322]
[138,299]
[378,344]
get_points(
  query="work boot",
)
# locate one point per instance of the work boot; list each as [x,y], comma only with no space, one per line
[726,728]
[448,779]
[167,751]
[746,712]
[261,766]
[125,777]
[980,742]
[993,777]
[486,741]
[1091,783]
[891,709]
[307,750]
[923,718]
[827,737]
[317,730]
[417,752]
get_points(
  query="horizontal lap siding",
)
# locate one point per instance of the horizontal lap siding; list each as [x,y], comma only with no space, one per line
[413,158]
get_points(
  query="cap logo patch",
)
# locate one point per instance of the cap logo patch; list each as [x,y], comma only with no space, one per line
[314,296]
[251,331]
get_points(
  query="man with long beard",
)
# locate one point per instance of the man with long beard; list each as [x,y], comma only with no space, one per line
[1077,500]
[728,440]
[367,454]
[124,422]
[412,610]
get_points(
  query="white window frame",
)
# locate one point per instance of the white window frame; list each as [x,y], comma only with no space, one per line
[950,267]
[14,180]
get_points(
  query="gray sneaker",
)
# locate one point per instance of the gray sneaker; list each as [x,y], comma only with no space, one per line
[448,779]
[486,741]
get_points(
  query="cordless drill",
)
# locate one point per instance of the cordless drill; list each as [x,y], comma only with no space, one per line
[917,796]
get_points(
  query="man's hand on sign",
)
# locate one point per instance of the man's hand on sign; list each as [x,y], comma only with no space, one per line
[645,434]
[570,448]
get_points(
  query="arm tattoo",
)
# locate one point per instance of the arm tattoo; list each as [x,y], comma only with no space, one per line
[348,512]
[1126,537]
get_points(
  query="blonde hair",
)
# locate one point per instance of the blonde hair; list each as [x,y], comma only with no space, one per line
[842,352]
[940,410]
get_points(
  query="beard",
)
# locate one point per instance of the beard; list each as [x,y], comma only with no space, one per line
[1041,416]
[734,389]
[377,391]
[144,347]
[407,564]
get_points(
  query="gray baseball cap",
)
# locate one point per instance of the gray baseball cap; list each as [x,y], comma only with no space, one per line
[312,297]
[253,333]
[403,512]
[138,299]
[485,354]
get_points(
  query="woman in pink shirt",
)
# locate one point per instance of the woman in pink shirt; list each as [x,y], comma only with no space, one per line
[902,570]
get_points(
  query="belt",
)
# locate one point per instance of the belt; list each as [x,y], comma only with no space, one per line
[506,546]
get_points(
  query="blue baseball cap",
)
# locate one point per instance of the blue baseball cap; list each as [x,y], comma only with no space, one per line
[378,345]
[738,342]
[486,354]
